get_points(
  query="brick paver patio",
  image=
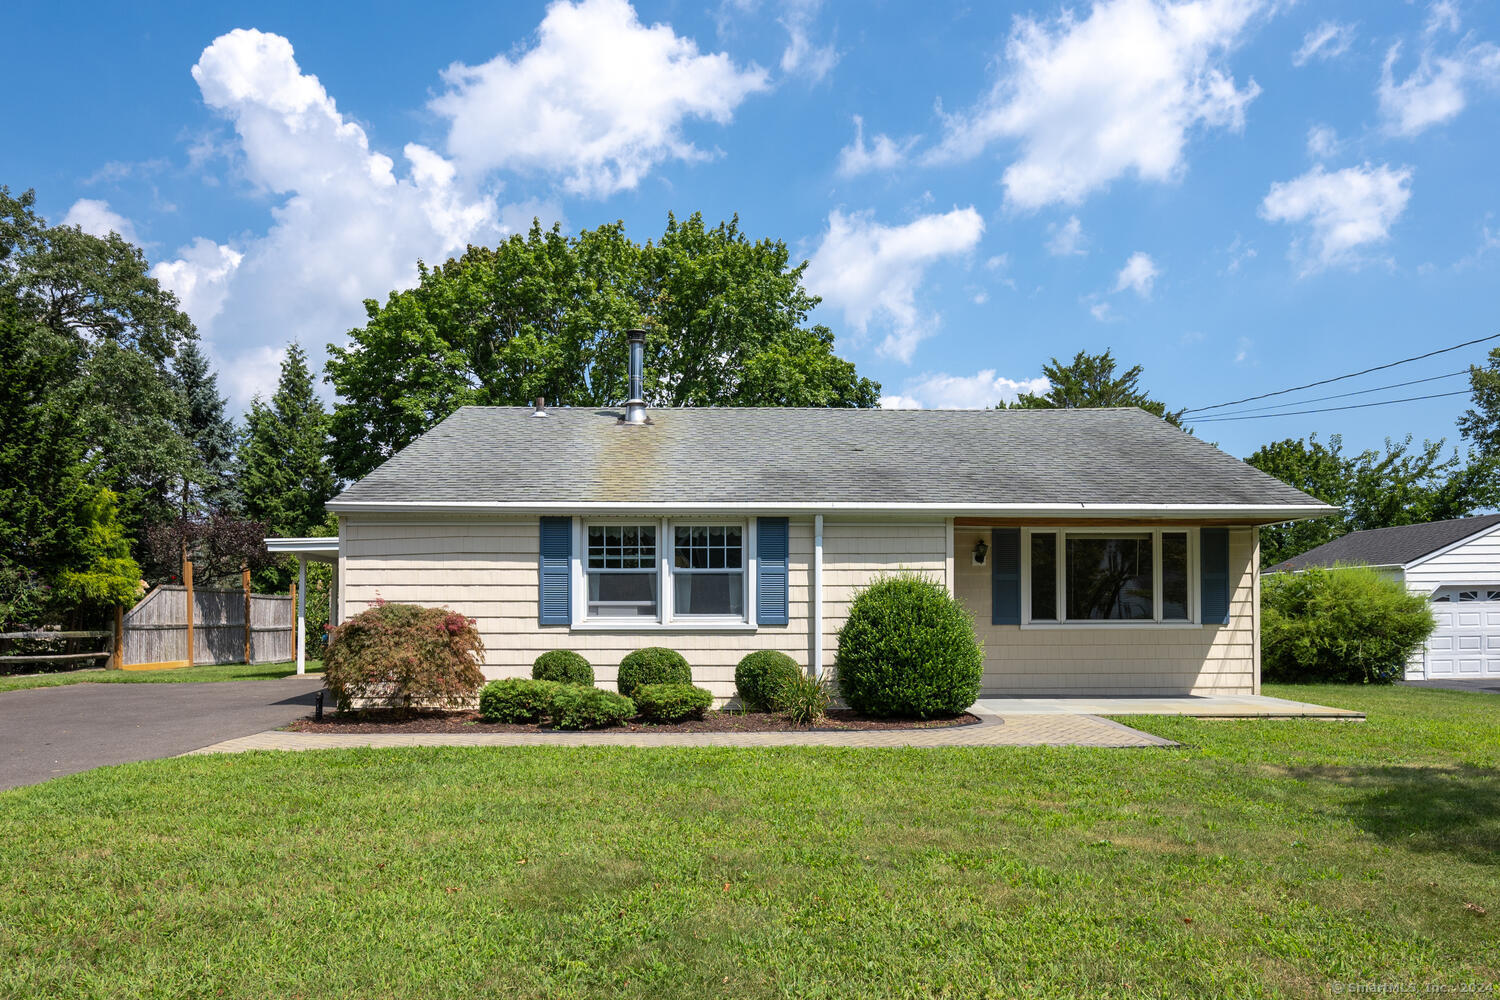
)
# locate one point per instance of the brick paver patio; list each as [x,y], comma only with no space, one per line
[990,731]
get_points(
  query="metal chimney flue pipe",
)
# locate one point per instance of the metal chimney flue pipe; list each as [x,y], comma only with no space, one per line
[635,406]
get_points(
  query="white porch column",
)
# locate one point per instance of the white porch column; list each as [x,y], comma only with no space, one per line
[333,594]
[301,614]
[815,613]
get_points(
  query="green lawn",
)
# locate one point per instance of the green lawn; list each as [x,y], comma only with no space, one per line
[220,672]
[1263,858]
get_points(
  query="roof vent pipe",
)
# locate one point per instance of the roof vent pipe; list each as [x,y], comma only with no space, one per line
[635,406]
[539,406]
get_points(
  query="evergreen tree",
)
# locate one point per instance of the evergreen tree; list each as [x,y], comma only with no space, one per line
[203,423]
[285,478]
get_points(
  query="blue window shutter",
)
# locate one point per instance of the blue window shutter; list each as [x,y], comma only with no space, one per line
[772,549]
[555,589]
[1213,554]
[1005,576]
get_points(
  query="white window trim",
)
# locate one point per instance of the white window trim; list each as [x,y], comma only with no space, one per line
[665,620]
[1195,584]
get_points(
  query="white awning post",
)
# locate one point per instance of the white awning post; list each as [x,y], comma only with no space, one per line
[301,615]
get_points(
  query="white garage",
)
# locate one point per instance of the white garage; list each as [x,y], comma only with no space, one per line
[1456,565]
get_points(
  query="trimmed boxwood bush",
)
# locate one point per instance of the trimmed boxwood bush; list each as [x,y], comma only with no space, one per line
[575,707]
[760,677]
[563,666]
[404,656]
[517,700]
[908,650]
[1347,624]
[653,665]
[672,702]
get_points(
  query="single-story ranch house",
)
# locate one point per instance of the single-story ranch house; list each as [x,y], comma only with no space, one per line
[1101,552]
[1454,564]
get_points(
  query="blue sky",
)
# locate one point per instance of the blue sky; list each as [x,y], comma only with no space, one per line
[1240,195]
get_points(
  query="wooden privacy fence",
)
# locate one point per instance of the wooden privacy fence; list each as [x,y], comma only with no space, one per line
[156,629]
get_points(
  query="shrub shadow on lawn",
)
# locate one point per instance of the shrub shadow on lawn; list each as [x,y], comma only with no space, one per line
[1449,810]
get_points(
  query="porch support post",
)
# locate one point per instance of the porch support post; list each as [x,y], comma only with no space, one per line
[815,616]
[301,614]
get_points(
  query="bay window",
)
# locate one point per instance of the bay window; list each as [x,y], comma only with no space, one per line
[1098,575]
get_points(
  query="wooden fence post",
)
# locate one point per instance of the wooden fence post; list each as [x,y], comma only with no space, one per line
[245,578]
[187,579]
[117,655]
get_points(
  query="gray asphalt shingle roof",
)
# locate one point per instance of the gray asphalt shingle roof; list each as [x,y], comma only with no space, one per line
[1389,546]
[506,456]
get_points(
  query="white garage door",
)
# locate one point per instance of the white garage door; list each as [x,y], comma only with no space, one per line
[1466,642]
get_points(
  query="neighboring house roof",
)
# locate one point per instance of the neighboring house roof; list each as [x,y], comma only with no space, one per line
[808,459]
[1398,546]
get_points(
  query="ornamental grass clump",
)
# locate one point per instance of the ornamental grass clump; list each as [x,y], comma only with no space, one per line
[563,666]
[760,677]
[653,665]
[804,700]
[1347,624]
[402,657]
[672,702]
[907,650]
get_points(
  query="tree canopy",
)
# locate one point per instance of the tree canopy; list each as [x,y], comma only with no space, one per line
[1089,380]
[544,314]
[284,471]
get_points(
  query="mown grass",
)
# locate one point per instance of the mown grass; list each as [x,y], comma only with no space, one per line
[1261,858]
[203,674]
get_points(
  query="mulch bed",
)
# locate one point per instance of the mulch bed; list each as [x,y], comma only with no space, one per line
[713,722]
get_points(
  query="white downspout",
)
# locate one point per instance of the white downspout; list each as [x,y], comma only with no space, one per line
[301,615]
[816,615]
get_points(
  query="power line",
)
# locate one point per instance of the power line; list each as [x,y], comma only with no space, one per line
[1340,395]
[1329,409]
[1340,378]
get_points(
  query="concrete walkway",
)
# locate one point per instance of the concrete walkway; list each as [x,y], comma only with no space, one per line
[990,731]
[1199,706]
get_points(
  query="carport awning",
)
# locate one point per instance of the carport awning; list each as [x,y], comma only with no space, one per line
[316,549]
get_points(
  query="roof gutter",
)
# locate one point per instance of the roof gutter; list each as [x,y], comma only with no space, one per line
[1267,513]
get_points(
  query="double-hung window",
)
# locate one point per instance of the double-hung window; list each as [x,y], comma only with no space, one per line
[708,570]
[621,569]
[1109,576]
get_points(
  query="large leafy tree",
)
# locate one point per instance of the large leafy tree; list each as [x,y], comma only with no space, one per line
[284,472]
[1374,489]
[1481,422]
[1091,380]
[87,401]
[545,314]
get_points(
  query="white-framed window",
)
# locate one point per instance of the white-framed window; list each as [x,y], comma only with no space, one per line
[695,573]
[620,570]
[1104,576]
[708,570]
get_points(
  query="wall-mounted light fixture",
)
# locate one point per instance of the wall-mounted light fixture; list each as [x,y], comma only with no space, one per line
[980,551]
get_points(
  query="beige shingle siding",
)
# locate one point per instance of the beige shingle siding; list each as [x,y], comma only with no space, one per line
[1117,661]
[487,568]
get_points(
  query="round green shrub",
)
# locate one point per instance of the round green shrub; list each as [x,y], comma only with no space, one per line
[563,666]
[760,677]
[672,702]
[517,700]
[908,650]
[404,656]
[1347,624]
[653,665]
[575,707]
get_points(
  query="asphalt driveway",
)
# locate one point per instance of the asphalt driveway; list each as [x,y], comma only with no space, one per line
[46,732]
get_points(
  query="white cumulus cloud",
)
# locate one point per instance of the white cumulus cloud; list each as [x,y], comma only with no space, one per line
[1116,92]
[1345,211]
[345,225]
[96,218]
[1139,275]
[1328,40]
[883,153]
[981,391]
[600,99]
[871,272]
[1437,89]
